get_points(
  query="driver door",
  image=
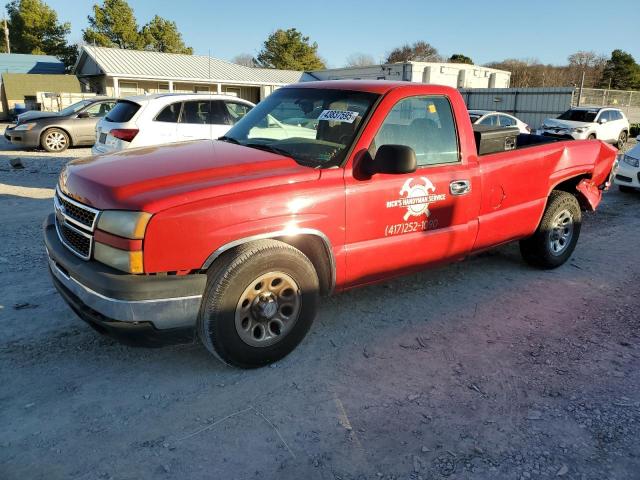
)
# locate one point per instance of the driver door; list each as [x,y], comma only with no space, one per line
[403,222]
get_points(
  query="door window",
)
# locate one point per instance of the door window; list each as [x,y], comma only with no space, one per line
[426,125]
[170,113]
[491,120]
[235,111]
[507,121]
[203,112]
[606,115]
[99,110]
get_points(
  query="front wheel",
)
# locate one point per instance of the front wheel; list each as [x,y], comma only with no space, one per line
[259,303]
[555,239]
[54,140]
[622,139]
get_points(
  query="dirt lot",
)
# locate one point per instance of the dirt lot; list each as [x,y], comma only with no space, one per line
[486,369]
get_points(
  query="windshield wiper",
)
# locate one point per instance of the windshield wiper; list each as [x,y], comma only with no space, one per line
[224,138]
[269,148]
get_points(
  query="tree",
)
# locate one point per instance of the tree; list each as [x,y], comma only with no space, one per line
[161,35]
[360,60]
[289,49]
[34,29]
[460,58]
[244,59]
[113,25]
[418,52]
[621,71]
[591,63]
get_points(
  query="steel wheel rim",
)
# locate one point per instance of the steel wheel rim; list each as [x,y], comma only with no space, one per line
[55,141]
[561,232]
[268,309]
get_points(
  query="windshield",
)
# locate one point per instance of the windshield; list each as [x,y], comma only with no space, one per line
[73,108]
[579,115]
[315,127]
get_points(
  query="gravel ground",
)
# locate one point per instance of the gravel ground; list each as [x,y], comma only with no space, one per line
[485,369]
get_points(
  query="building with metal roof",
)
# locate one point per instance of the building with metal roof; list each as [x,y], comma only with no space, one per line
[24,63]
[116,72]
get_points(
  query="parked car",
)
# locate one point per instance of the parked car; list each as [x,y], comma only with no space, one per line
[628,170]
[161,118]
[589,123]
[497,119]
[73,126]
[236,242]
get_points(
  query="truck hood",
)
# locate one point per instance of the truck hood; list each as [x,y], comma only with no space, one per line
[156,178]
[554,122]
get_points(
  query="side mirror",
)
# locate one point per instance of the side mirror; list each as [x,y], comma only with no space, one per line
[602,120]
[83,115]
[395,159]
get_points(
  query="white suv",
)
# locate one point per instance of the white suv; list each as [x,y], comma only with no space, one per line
[145,120]
[589,123]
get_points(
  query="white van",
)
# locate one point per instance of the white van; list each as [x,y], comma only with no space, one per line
[145,120]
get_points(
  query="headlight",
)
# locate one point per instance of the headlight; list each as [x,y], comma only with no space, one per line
[25,126]
[579,130]
[118,239]
[123,223]
[634,162]
[124,260]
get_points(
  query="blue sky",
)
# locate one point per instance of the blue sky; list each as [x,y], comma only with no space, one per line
[484,30]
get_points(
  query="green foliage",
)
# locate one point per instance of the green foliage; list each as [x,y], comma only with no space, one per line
[161,35]
[622,71]
[460,58]
[113,25]
[34,29]
[289,49]
[418,52]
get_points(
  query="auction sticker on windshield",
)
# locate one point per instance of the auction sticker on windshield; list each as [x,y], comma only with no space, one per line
[345,116]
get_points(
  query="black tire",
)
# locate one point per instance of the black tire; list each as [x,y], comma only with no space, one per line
[230,278]
[54,140]
[625,189]
[622,140]
[538,250]
[591,136]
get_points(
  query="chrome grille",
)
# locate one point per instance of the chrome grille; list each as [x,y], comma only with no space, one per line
[75,223]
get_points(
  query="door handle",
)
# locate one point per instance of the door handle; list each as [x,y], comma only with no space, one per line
[460,187]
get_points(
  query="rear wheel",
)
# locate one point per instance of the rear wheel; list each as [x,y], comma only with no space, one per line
[622,140]
[591,136]
[54,140]
[260,302]
[555,239]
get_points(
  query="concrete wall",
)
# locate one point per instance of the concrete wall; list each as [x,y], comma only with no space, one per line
[531,105]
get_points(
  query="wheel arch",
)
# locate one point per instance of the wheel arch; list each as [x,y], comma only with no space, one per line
[570,185]
[312,243]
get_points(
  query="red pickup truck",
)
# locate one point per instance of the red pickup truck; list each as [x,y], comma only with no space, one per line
[322,187]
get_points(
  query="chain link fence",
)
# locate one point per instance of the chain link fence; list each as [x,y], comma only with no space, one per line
[626,100]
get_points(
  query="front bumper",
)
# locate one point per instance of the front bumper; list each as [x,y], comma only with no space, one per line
[626,175]
[153,308]
[23,138]
[565,134]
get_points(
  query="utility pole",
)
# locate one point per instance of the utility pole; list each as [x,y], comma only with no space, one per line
[6,36]
[580,91]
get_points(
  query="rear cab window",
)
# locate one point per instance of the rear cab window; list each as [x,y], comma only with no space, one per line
[122,112]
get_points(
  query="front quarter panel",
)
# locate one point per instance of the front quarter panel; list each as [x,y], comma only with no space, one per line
[184,237]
